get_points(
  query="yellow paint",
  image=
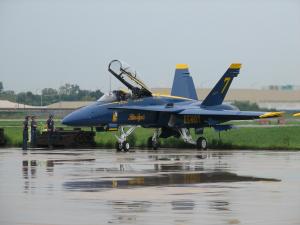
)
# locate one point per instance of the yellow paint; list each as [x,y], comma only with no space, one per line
[114,184]
[113,129]
[235,66]
[188,119]
[271,114]
[169,96]
[137,181]
[297,114]
[226,83]
[191,178]
[182,66]
[136,117]
[114,117]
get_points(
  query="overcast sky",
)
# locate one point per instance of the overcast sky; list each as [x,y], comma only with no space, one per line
[49,43]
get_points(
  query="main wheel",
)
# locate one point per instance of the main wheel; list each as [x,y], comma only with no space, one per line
[118,146]
[149,143]
[155,145]
[201,143]
[126,146]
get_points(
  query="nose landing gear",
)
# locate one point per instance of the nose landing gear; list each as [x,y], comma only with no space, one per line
[121,143]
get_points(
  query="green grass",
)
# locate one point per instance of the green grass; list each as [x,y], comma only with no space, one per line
[279,138]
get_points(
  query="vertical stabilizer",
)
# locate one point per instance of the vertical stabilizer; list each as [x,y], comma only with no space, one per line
[218,93]
[183,84]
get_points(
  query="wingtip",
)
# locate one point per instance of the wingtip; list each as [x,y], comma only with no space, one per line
[271,115]
[297,115]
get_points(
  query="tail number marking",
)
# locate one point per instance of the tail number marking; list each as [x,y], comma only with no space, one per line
[226,83]
[191,119]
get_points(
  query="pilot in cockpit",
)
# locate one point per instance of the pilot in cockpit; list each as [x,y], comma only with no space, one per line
[121,95]
[116,95]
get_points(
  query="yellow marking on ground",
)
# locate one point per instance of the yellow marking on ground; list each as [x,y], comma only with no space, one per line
[271,114]
[235,66]
[182,66]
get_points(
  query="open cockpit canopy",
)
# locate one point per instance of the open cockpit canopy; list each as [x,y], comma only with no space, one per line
[115,96]
[128,76]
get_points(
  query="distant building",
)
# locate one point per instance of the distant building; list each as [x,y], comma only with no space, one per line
[5,104]
[68,105]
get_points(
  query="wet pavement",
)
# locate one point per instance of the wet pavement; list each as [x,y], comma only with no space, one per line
[149,187]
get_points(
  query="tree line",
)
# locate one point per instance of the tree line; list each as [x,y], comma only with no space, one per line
[67,92]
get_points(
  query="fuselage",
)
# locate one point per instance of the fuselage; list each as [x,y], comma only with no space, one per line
[103,113]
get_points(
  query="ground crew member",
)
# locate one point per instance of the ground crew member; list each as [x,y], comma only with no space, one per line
[25,133]
[50,129]
[33,126]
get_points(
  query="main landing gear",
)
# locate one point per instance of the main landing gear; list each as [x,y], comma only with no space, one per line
[122,143]
[153,142]
[201,142]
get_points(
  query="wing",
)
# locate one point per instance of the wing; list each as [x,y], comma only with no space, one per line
[230,114]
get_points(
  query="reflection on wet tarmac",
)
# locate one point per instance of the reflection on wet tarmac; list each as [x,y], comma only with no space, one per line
[162,180]
[183,205]
[149,187]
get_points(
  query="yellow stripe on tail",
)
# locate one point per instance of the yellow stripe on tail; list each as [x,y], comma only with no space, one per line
[182,66]
[235,66]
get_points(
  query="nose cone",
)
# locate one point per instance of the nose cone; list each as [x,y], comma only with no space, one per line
[77,118]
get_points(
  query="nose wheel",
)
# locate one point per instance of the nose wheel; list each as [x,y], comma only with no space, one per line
[153,144]
[121,143]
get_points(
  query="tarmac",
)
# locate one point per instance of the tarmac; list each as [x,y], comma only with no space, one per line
[91,186]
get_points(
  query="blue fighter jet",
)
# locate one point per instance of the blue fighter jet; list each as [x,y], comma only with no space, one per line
[169,115]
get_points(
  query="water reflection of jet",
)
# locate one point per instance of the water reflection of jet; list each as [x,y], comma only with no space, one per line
[219,205]
[180,162]
[183,205]
[128,211]
[161,179]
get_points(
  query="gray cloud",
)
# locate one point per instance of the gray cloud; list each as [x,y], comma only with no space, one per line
[48,43]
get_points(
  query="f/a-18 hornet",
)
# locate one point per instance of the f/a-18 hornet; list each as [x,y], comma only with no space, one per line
[169,115]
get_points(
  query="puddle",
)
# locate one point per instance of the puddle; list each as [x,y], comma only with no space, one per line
[162,180]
